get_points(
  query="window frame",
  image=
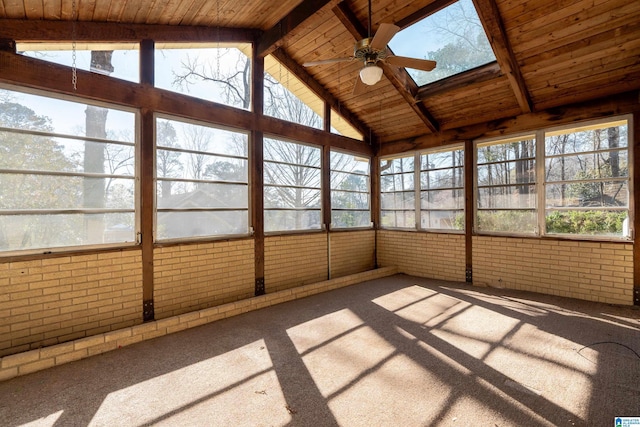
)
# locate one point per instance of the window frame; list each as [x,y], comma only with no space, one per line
[367,192]
[320,189]
[135,178]
[156,180]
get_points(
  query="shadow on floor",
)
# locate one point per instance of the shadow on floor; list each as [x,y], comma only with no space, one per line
[394,351]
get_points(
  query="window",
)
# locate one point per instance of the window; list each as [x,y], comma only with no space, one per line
[350,191]
[587,180]
[292,182]
[579,177]
[119,60]
[201,181]
[218,72]
[287,98]
[398,198]
[506,186]
[67,173]
[453,37]
[442,190]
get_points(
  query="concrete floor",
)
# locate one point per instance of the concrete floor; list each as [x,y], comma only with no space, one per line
[399,351]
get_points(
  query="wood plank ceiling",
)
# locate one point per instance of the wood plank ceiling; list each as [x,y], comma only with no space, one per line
[549,52]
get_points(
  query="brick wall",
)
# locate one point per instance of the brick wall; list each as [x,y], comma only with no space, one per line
[432,255]
[586,270]
[352,252]
[294,260]
[48,301]
[196,276]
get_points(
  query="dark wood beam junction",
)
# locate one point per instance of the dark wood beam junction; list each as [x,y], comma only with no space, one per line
[492,22]
[398,76]
[37,74]
[623,103]
[274,37]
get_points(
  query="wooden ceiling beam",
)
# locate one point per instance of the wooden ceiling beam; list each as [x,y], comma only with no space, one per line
[319,90]
[398,77]
[480,74]
[492,22]
[422,13]
[607,106]
[273,38]
[51,31]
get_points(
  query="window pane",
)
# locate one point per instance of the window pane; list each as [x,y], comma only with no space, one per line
[47,166]
[522,196]
[49,231]
[595,223]
[345,219]
[442,199]
[507,173]
[398,219]
[176,224]
[294,175]
[180,194]
[446,178]
[442,220]
[215,72]
[283,197]
[588,194]
[452,36]
[512,150]
[201,168]
[116,60]
[516,221]
[398,200]
[400,182]
[605,164]
[281,220]
[442,159]
[348,200]
[596,138]
[286,97]
[404,164]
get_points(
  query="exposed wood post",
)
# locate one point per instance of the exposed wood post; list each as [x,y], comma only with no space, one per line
[147,189]
[326,200]
[469,201]
[636,208]
[327,117]
[8,45]
[374,170]
[256,157]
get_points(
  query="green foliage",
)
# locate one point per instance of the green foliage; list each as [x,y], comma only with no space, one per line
[585,222]
[507,221]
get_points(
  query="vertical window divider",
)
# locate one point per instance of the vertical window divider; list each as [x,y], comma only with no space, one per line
[541,183]
[417,170]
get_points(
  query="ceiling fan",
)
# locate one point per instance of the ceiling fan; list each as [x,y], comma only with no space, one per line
[372,50]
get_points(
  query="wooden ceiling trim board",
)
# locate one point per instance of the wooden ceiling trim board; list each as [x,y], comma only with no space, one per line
[475,76]
[397,76]
[217,15]
[273,37]
[34,31]
[179,11]
[196,9]
[593,17]
[130,10]
[101,11]
[606,106]
[155,14]
[51,9]
[529,11]
[492,23]
[312,84]
[86,9]
[14,9]
[625,32]
[115,11]
[315,48]
[33,9]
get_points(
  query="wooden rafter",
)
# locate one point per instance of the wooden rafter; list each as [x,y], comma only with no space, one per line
[272,38]
[50,31]
[398,76]
[478,75]
[317,88]
[492,23]
[425,11]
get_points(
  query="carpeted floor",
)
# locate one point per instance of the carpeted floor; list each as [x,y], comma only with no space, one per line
[399,351]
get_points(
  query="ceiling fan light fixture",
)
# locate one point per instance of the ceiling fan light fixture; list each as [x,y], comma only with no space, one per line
[370,74]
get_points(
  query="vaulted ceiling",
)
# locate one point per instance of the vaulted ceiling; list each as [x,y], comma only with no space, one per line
[550,53]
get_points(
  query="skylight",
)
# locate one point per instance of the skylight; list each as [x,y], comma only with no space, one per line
[453,37]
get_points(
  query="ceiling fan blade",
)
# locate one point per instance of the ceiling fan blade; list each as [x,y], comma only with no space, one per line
[359,88]
[384,34]
[327,61]
[417,64]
